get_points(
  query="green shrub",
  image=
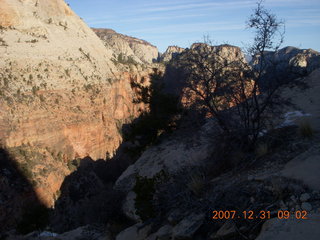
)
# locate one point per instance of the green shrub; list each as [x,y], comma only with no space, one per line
[145,189]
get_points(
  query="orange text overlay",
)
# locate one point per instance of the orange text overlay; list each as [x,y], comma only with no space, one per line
[251,215]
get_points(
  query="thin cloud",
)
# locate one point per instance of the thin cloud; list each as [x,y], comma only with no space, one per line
[145,19]
[206,5]
[190,28]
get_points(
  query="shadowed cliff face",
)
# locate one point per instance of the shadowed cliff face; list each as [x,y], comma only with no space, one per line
[19,204]
[87,197]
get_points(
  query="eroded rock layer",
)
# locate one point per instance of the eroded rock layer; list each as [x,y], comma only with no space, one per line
[61,95]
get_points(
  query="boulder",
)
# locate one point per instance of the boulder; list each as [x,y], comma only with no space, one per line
[170,156]
[170,53]
[135,232]
[186,228]
[293,229]
[164,233]
[305,167]
[228,229]
[128,207]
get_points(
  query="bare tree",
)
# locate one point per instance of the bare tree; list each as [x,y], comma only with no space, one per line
[220,80]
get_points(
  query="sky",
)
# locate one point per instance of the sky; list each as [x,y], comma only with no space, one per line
[182,22]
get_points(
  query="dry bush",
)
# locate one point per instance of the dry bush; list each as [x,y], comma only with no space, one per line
[196,183]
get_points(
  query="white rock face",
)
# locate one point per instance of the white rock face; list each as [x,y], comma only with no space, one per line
[304,197]
[295,60]
[188,226]
[135,232]
[306,101]
[171,52]
[305,167]
[128,207]
[127,48]
[170,156]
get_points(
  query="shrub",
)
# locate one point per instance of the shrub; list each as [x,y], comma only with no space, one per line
[163,107]
[261,149]
[196,184]
[145,189]
[305,129]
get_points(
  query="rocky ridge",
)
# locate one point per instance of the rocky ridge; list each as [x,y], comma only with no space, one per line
[127,49]
[170,53]
[290,62]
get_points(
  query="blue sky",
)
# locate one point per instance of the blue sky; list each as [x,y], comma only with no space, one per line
[182,22]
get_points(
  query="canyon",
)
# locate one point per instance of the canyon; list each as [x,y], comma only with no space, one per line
[65,97]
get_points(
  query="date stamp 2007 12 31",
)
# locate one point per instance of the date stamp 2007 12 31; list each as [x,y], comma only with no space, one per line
[251,215]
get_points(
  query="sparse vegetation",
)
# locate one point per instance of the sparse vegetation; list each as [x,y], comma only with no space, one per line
[3,43]
[35,89]
[67,71]
[162,109]
[197,183]
[87,55]
[122,59]
[305,129]
[261,149]
[42,98]
[145,189]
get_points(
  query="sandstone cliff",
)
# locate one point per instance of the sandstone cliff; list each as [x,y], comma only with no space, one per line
[127,49]
[61,95]
[200,57]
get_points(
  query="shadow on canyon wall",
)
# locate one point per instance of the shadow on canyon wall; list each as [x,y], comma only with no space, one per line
[19,204]
[86,196]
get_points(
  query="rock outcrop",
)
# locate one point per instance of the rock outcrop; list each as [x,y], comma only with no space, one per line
[170,156]
[170,53]
[306,101]
[200,61]
[294,229]
[127,49]
[61,94]
[289,62]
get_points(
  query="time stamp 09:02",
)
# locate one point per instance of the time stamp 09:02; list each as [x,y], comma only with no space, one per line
[251,215]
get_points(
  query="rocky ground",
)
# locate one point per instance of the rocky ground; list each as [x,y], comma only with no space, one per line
[65,100]
[283,178]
